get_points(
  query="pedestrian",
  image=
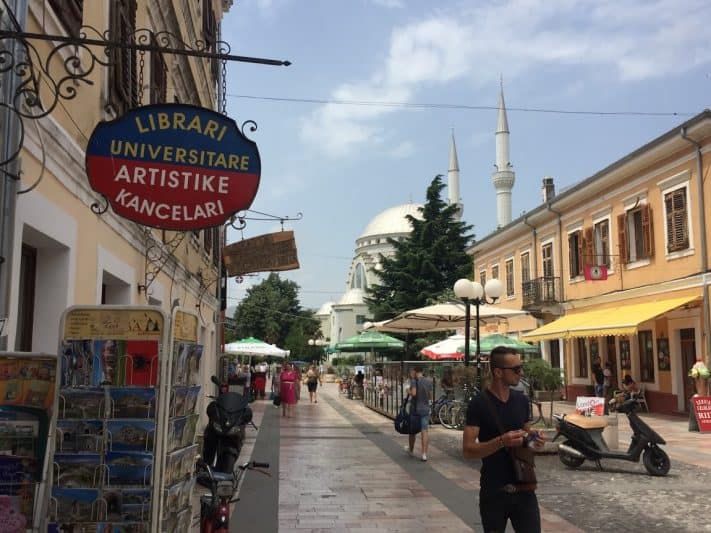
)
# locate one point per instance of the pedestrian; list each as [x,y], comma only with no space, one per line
[313,378]
[500,497]
[599,376]
[421,396]
[289,383]
[607,382]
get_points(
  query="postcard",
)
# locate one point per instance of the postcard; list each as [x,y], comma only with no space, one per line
[76,505]
[15,514]
[133,402]
[178,397]
[186,493]
[18,431]
[180,357]
[106,359]
[172,500]
[17,470]
[114,502]
[193,364]
[77,363]
[191,399]
[187,463]
[189,430]
[184,519]
[38,393]
[131,435]
[126,468]
[176,426]
[82,403]
[77,470]
[135,496]
[80,436]
[140,364]
[173,462]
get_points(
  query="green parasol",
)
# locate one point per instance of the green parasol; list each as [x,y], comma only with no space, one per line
[370,341]
[488,343]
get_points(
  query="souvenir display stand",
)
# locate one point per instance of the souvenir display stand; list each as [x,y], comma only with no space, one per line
[181,419]
[106,457]
[27,390]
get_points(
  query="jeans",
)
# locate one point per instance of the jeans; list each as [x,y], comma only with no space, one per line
[497,507]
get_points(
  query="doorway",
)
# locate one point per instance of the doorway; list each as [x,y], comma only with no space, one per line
[26,298]
[687,338]
[612,359]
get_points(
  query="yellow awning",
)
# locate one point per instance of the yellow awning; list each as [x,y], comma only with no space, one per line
[621,320]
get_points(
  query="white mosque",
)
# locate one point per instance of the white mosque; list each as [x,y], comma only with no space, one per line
[345,318]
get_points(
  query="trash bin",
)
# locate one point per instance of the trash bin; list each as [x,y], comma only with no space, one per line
[610,433]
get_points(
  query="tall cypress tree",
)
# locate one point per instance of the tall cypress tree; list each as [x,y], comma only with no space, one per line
[426,264]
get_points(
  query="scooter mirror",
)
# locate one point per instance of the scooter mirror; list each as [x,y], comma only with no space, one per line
[215,380]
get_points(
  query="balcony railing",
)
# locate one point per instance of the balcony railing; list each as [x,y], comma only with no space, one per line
[540,292]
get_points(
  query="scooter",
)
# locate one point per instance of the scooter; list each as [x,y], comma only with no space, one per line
[584,440]
[228,414]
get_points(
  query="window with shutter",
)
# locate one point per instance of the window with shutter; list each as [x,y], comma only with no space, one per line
[69,13]
[601,243]
[123,83]
[509,277]
[575,253]
[495,272]
[209,30]
[622,238]
[525,267]
[647,231]
[159,78]
[216,247]
[207,240]
[588,257]
[677,220]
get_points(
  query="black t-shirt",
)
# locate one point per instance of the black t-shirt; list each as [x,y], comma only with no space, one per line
[497,469]
[599,375]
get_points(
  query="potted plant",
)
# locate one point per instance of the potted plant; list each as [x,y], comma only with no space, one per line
[545,380]
[700,374]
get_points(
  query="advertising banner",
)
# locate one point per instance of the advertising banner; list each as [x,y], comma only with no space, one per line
[173,166]
[590,404]
[702,410]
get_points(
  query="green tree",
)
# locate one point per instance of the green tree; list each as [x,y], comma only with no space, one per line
[426,264]
[271,311]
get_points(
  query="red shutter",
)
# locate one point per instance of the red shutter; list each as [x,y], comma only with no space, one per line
[622,237]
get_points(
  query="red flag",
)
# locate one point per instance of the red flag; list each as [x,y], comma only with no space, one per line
[595,272]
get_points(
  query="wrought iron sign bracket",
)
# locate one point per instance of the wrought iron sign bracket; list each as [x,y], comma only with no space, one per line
[46,78]
[157,256]
[239,221]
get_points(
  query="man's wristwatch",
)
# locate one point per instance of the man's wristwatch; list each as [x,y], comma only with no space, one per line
[501,442]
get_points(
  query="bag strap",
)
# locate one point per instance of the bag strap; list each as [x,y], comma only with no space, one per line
[495,415]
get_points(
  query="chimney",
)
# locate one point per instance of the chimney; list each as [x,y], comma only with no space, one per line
[548,189]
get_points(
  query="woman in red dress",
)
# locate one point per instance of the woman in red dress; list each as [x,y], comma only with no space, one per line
[289,379]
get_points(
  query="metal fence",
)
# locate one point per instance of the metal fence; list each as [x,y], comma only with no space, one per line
[387,383]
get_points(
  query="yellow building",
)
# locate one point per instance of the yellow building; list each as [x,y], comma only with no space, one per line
[64,253]
[616,268]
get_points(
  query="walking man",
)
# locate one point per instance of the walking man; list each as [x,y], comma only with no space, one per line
[500,498]
[421,392]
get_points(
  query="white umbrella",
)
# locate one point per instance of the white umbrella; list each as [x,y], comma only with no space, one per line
[445,349]
[443,317]
[252,346]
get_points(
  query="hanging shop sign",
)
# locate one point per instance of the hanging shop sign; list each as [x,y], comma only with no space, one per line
[266,253]
[173,166]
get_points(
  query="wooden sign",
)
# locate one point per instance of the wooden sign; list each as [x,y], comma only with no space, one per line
[702,410]
[266,253]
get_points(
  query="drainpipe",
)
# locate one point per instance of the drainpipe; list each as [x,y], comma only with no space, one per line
[535,254]
[704,258]
[560,247]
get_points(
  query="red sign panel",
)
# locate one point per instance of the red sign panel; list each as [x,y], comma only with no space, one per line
[702,409]
[173,166]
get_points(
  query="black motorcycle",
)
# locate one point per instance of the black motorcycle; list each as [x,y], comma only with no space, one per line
[228,414]
[584,440]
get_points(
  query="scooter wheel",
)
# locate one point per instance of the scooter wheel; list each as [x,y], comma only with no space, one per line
[656,461]
[569,460]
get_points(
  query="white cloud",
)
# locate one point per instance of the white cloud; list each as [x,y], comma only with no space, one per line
[632,41]
[403,150]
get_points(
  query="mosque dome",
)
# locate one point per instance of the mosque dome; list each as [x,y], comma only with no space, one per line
[325,309]
[352,297]
[392,221]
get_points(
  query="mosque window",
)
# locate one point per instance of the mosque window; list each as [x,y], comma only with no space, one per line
[359,281]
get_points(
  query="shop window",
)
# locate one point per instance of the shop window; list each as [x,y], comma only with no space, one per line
[582,353]
[69,13]
[677,220]
[554,350]
[635,233]
[646,356]
[625,356]
[601,238]
[123,83]
[510,277]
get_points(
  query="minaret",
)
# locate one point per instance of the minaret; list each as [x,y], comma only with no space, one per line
[504,176]
[453,178]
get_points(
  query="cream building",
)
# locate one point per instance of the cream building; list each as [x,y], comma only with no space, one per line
[65,254]
[616,268]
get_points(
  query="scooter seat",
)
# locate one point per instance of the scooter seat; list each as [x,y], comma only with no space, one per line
[586,422]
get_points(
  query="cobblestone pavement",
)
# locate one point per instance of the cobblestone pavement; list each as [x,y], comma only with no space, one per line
[620,498]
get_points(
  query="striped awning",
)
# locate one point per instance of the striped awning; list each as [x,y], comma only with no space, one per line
[621,320]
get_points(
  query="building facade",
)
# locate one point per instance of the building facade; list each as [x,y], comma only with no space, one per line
[65,254]
[616,268]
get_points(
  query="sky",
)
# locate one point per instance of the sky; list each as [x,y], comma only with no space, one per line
[418,68]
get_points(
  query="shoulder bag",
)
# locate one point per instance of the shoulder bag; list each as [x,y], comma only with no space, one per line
[523,458]
[407,422]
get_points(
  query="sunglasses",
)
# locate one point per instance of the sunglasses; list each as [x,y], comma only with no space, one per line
[517,369]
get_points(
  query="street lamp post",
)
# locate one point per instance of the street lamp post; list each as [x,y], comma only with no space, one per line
[473,292]
[320,343]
